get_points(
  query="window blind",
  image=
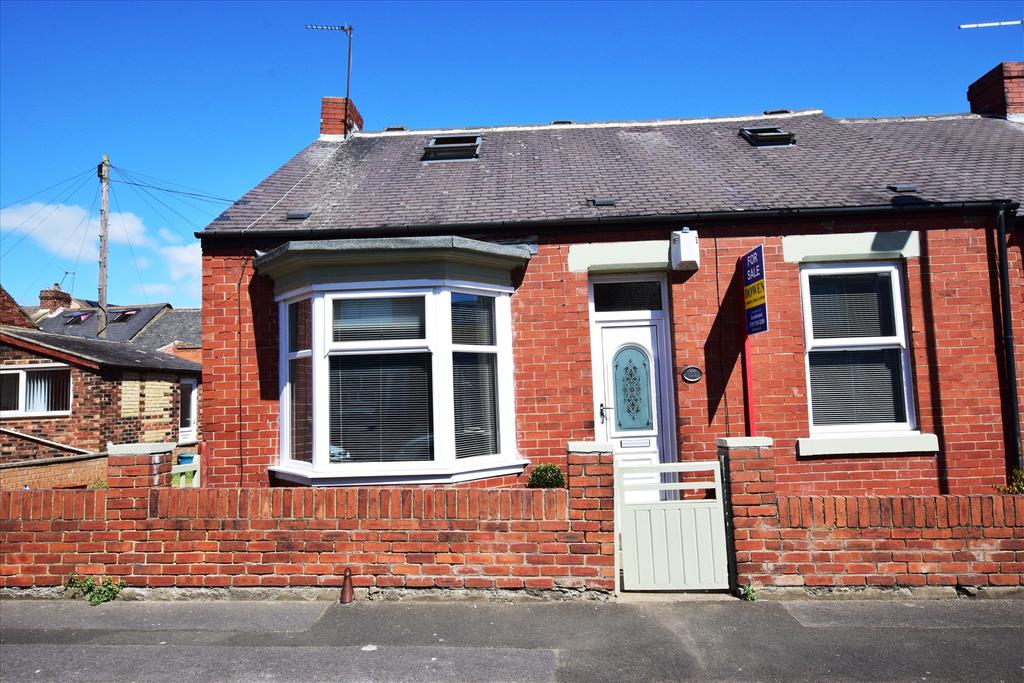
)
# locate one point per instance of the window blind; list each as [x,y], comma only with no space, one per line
[472,319]
[850,387]
[852,305]
[379,319]
[300,376]
[380,408]
[47,391]
[300,325]
[476,404]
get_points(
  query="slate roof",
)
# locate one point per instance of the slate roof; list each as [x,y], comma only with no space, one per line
[109,353]
[172,325]
[662,168]
[121,332]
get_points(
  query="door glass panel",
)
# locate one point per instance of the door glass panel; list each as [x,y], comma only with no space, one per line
[631,378]
[627,296]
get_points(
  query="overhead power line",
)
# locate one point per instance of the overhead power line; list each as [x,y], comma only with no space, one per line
[66,180]
[205,197]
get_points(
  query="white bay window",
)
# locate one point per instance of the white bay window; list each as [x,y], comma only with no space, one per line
[395,360]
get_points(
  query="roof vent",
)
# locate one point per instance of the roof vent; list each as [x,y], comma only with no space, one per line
[902,188]
[394,129]
[452,148]
[767,136]
[603,201]
[298,215]
[776,112]
[562,122]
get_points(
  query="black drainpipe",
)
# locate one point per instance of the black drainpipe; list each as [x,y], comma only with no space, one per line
[1009,358]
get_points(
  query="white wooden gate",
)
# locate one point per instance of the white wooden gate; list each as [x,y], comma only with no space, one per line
[677,542]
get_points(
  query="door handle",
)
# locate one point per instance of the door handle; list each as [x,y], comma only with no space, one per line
[600,412]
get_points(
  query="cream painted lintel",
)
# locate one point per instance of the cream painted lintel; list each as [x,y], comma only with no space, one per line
[611,257]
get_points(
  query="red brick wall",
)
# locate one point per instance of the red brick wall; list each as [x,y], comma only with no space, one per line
[10,312]
[439,537]
[999,92]
[96,413]
[953,322]
[870,541]
[56,473]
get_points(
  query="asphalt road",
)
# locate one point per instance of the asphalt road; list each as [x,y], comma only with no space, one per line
[960,640]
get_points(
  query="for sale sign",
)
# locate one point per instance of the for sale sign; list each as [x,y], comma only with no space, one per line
[755,295]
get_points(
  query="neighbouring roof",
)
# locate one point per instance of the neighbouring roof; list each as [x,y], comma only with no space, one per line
[116,331]
[549,173]
[97,351]
[182,325]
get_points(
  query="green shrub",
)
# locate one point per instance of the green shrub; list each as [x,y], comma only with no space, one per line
[748,592]
[546,476]
[1015,484]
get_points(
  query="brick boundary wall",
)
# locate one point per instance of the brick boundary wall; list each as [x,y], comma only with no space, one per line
[833,542]
[402,537]
[73,470]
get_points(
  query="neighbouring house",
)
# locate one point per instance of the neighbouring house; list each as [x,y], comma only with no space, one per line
[155,327]
[64,398]
[456,305]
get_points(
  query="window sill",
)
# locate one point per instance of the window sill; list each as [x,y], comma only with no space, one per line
[9,415]
[461,472]
[868,444]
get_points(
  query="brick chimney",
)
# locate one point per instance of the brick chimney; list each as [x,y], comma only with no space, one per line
[1000,92]
[332,117]
[54,298]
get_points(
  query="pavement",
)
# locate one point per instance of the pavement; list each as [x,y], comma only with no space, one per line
[725,640]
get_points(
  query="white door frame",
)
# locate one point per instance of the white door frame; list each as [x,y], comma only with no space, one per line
[666,407]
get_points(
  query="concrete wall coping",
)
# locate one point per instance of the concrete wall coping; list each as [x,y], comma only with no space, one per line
[42,462]
[588,447]
[139,448]
[745,442]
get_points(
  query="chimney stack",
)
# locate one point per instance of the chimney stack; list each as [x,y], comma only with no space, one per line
[1000,92]
[54,298]
[332,117]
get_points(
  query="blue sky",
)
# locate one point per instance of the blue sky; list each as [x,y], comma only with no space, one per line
[215,96]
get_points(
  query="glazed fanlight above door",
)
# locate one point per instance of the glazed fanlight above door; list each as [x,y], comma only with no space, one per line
[631,377]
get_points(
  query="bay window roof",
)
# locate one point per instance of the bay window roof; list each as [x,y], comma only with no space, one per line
[305,263]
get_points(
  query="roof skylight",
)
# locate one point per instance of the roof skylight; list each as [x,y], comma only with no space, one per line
[77,318]
[123,316]
[452,148]
[767,136]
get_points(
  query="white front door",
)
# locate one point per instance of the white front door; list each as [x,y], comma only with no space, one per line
[632,382]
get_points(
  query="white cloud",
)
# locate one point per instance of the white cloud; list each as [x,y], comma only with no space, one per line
[184,263]
[67,230]
[168,236]
[142,262]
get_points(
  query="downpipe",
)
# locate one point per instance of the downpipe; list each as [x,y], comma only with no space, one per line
[1009,356]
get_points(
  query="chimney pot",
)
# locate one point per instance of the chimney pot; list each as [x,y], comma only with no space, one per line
[332,117]
[1000,92]
[54,298]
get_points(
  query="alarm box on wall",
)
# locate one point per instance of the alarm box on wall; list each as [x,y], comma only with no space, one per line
[684,253]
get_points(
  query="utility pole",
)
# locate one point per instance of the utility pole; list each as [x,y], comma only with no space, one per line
[103,171]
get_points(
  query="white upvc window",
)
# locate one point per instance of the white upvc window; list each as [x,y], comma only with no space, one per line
[35,391]
[857,355]
[188,405]
[391,383]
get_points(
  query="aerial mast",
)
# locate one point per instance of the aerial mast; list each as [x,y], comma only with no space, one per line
[347,30]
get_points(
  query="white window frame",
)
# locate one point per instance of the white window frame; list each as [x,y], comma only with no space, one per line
[445,467]
[897,341]
[188,435]
[21,371]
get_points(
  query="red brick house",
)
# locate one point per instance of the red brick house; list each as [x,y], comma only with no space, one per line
[452,305]
[398,325]
[64,398]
